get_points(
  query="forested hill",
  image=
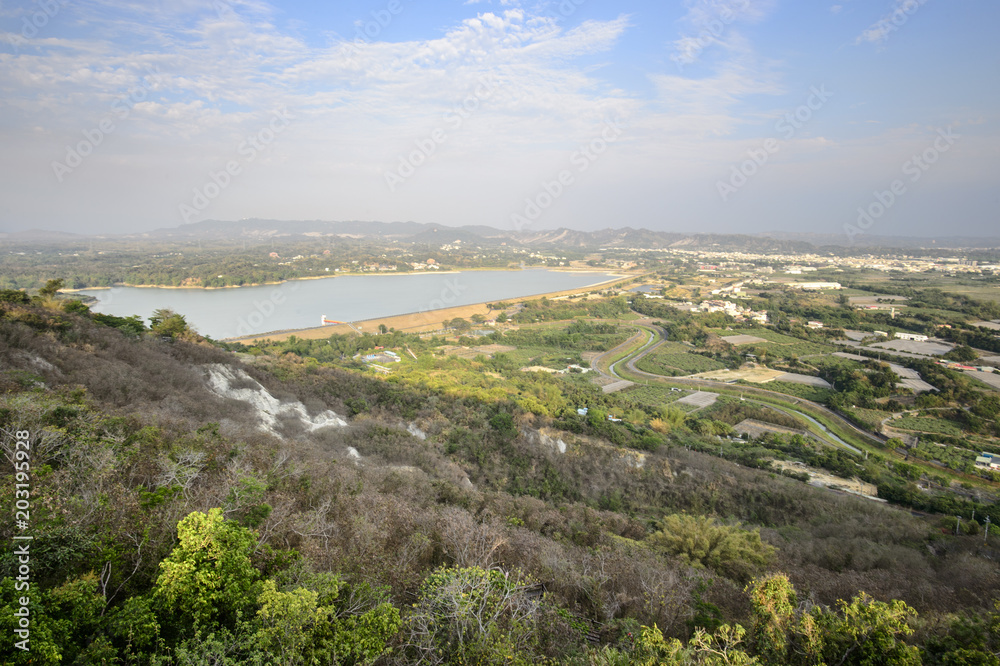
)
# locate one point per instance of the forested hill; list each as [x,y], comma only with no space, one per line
[238,232]
[189,505]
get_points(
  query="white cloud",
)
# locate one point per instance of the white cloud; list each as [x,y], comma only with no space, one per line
[357,105]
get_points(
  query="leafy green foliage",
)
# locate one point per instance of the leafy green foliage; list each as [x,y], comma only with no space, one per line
[208,576]
[702,542]
[168,323]
[14,296]
[111,483]
[132,324]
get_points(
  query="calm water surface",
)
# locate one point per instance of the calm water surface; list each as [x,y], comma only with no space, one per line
[224,313]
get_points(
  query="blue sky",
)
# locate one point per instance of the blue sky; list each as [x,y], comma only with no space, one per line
[704,115]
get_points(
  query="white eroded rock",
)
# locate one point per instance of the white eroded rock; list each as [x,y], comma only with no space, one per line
[223,380]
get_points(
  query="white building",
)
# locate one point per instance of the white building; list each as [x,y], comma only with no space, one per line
[911,336]
[815,286]
[988,460]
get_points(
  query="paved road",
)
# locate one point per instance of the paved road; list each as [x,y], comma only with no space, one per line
[595,362]
[708,384]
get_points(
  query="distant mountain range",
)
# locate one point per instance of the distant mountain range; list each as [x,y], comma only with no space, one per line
[437,234]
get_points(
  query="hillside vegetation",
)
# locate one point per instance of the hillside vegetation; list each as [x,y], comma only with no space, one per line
[457,518]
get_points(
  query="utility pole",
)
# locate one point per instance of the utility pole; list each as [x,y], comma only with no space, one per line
[957,523]
[986,532]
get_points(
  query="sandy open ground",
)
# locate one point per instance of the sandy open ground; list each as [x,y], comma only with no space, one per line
[743,339]
[472,352]
[809,380]
[758,375]
[699,399]
[819,477]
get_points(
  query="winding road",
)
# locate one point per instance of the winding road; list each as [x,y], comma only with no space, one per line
[657,336]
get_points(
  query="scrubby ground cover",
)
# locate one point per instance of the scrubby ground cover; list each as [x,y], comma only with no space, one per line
[170,528]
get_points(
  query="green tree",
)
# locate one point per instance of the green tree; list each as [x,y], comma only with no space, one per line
[773,601]
[868,632]
[14,296]
[286,621]
[132,325]
[134,627]
[700,541]
[962,354]
[208,577]
[44,634]
[50,289]
[719,649]
[166,322]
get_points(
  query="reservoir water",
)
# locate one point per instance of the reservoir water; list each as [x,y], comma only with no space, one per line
[225,313]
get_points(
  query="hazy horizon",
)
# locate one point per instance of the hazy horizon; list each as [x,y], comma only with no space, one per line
[771,232]
[710,116]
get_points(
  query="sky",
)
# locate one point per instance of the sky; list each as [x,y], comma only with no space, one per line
[850,117]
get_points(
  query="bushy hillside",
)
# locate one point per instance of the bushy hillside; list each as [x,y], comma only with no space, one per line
[193,506]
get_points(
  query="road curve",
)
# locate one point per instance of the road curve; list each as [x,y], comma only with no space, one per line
[710,384]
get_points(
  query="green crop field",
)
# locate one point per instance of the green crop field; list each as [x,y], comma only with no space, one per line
[665,364]
[673,348]
[804,391]
[524,355]
[869,417]
[927,424]
[652,396]
[778,344]
[764,333]
[795,349]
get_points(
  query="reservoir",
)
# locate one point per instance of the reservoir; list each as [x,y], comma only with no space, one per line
[226,313]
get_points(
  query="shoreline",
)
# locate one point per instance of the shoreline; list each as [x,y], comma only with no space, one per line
[413,322]
[256,284]
[560,269]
